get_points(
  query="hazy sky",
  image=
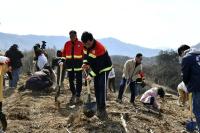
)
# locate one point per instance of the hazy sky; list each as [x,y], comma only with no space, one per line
[149,23]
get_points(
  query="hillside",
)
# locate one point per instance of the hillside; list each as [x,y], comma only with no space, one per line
[197,46]
[34,112]
[114,46]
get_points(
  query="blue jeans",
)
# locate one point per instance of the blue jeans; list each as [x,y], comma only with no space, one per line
[196,107]
[133,89]
[15,77]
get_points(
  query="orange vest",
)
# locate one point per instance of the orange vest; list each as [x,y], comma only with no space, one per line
[74,55]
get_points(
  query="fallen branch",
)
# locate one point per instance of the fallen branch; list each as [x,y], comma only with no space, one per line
[67,130]
[124,123]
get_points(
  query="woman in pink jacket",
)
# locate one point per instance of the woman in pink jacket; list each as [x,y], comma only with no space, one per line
[150,97]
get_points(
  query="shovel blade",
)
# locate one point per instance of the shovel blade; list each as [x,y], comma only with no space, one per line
[89,109]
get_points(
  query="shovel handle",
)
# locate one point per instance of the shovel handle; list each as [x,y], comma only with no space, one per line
[190,103]
[126,86]
[88,87]
[88,83]
[59,84]
[60,76]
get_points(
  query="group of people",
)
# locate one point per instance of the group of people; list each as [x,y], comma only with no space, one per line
[10,63]
[90,57]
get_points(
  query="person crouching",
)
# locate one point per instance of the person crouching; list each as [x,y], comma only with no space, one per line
[149,98]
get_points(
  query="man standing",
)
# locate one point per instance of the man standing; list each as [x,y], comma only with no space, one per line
[15,57]
[98,63]
[190,62]
[131,71]
[73,52]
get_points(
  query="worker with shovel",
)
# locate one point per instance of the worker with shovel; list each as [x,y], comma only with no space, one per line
[73,52]
[190,62]
[131,71]
[98,62]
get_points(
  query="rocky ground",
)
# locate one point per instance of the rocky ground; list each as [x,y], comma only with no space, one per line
[29,112]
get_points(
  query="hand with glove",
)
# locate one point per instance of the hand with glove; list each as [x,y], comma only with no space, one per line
[89,78]
[61,63]
[85,66]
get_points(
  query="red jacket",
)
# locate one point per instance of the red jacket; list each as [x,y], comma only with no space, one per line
[74,55]
[98,59]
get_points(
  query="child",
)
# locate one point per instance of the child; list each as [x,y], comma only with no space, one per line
[150,97]
[183,94]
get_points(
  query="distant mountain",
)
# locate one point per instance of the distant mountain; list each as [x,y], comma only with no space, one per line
[114,46]
[117,47]
[26,42]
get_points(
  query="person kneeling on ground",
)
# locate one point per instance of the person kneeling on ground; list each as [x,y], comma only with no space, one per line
[44,80]
[149,98]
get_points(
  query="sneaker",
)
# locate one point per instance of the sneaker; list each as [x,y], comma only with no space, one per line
[119,100]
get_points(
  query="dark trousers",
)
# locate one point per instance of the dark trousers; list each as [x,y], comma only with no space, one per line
[77,76]
[111,84]
[15,77]
[196,107]
[152,100]
[100,85]
[133,89]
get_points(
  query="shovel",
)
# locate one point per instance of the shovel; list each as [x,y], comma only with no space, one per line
[126,87]
[89,108]
[190,124]
[59,84]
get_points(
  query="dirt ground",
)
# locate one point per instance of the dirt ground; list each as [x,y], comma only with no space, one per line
[29,112]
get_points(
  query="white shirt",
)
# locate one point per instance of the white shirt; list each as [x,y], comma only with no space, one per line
[42,61]
[182,86]
[111,74]
[4,59]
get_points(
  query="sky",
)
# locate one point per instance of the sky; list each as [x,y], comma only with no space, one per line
[148,23]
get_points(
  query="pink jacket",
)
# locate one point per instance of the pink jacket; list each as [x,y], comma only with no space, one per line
[148,94]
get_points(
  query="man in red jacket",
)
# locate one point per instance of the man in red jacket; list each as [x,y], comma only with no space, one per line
[98,63]
[73,52]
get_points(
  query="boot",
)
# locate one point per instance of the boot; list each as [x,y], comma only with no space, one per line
[78,100]
[102,114]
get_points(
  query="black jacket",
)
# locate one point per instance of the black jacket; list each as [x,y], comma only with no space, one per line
[15,58]
[98,59]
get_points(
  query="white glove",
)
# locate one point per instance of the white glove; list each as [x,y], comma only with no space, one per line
[61,63]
